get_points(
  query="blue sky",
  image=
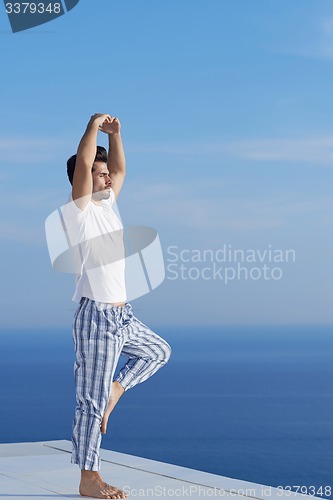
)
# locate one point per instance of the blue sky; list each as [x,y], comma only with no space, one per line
[226,110]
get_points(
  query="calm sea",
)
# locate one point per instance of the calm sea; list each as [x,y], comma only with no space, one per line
[254,403]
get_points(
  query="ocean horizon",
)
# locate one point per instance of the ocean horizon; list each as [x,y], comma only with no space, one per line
[247,402]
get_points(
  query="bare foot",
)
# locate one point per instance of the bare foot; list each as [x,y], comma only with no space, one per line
[92,485]
[116,392]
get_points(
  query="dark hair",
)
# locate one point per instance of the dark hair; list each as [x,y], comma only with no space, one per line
[101,155]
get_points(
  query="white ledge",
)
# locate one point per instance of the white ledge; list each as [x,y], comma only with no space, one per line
[43,471]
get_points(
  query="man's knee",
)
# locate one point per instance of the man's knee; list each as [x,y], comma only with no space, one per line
[161,353]
[166,352]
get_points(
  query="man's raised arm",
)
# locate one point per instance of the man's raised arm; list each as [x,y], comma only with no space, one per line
[86,153]
[116,155]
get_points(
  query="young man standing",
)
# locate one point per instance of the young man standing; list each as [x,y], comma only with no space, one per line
[104,325]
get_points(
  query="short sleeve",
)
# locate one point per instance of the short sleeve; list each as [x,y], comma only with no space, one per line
[74,219]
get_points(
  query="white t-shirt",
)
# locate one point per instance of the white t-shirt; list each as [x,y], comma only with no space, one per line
[96,235]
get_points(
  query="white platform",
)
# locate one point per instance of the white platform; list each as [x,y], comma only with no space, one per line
[43,471]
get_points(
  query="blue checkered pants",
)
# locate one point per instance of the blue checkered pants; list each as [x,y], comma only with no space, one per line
[101,333]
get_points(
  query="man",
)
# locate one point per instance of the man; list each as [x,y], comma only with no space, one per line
[104,325]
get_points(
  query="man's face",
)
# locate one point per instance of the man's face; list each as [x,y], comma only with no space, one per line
[101,181]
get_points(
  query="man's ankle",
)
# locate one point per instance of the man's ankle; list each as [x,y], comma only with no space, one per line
[89,473]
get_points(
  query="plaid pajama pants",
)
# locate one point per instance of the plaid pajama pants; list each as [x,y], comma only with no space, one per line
[101,333]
